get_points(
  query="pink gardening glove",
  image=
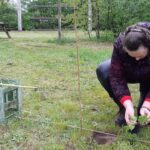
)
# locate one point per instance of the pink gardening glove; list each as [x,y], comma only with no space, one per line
[145,110]
[129,113]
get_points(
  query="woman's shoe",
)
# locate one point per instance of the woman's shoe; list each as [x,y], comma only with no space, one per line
[120,120]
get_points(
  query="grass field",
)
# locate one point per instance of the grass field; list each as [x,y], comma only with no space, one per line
[38,59]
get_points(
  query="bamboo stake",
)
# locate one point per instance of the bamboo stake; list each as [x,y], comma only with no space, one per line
[78,65]
[21,86]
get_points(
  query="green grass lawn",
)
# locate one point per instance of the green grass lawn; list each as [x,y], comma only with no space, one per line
[38,59]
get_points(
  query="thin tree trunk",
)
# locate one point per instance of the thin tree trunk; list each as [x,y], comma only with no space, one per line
[98,24]
[81,2]
[59,20]
[19,15]
[98,29]
[89,17]
[109,14]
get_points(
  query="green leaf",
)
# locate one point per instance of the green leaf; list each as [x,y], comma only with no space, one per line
[142,120]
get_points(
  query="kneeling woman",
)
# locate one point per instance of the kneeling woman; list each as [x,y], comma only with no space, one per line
[130,63]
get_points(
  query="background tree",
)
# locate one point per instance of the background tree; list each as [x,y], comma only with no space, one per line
[115,15]
[8,14]
[89,17]
[109,15]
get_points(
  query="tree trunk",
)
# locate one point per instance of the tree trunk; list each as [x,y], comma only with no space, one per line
[98,27]
[81,2]
[19,15]
[98,24]
[89,17]
[109,14]
[59,20]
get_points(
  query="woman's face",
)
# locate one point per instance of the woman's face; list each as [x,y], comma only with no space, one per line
[140,53]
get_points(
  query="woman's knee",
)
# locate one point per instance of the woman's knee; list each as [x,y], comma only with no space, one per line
[103,76]
[102,70]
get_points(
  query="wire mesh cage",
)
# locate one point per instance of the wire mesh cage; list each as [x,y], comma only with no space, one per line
[10,99]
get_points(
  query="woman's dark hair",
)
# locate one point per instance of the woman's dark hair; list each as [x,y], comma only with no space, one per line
[136,36]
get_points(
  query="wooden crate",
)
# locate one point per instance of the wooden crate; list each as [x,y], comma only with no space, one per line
[10,100]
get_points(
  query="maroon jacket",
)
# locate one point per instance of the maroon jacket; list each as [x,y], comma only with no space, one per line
[125,69]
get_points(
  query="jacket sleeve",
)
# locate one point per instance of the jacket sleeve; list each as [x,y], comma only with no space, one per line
[146,25]
[117,79]
[147,97]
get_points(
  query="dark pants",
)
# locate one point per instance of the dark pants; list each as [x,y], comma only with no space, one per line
[102,72]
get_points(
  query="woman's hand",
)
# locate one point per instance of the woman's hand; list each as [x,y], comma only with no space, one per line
[129,113]
[145,111]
